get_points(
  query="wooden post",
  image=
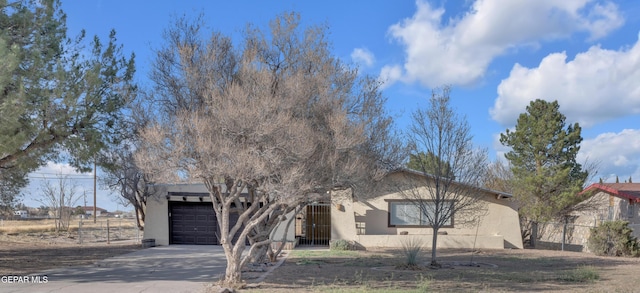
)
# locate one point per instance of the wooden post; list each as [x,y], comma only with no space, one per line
[95,176]
[80,231]
[564,232]
[108,240]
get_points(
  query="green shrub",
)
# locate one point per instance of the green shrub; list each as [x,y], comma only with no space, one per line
[613,238]
[411,248]
[580,275]
[340,244]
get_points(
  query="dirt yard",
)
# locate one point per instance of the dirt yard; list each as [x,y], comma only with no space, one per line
[33,253]
[370,271]
[494,271]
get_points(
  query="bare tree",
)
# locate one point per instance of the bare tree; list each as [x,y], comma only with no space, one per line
[499,177]
[61,199]
[277,117]
[133,186]
[122,173]
[451,179]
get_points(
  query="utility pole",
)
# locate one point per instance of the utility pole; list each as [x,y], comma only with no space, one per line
[95,176]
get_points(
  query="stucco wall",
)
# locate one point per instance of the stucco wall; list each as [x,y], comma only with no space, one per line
[366,221]
[282,230]
[444,241]
[157,213]
[156,224]
[578,227]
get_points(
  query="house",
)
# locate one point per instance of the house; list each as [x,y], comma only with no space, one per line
[88,210]
[183,214]
[371,222]
[604,202]
[21,214]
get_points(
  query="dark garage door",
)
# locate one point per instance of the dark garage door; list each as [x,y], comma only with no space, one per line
[193,223]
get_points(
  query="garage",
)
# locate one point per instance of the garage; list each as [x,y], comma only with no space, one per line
[195,223]
[192,223]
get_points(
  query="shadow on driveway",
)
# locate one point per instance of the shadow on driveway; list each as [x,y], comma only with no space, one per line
[182,267]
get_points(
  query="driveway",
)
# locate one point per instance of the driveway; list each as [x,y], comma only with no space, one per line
[175,268]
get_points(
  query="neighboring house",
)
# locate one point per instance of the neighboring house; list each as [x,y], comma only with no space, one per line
[88,210]
[605,202]
[183,214]
[21,214]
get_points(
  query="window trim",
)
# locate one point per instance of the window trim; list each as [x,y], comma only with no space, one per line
[390,201]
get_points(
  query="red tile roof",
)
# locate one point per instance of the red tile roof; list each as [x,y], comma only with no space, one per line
[629,191]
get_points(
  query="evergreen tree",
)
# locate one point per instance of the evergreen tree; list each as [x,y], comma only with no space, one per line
[58,100]
[543,159]
[428,164]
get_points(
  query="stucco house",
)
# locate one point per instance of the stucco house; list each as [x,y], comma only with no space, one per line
[182,214]
[603,202]
[372,222]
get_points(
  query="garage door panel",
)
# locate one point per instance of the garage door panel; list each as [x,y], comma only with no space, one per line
[193,223]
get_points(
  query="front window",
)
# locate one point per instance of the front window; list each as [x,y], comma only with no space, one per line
[406,213]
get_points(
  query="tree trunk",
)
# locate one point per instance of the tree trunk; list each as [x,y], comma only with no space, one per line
[434,244]
[534,234]
[233,273]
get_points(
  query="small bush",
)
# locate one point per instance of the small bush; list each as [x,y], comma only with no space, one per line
[340,244]
[411,248]
[581,275]
[613,238]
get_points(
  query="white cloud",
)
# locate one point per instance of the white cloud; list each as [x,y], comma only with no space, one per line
[459,51]
[363,57]
[618,154]
[389,75]
[55,169]
[596,86]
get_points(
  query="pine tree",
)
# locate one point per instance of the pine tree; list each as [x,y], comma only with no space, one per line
[58,100]
[543,158]
[428,164]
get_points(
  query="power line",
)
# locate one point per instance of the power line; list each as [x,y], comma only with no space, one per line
[58,174]
[59,177]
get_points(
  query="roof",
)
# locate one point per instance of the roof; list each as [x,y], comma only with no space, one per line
[500,194]
[90,208]
[629,191]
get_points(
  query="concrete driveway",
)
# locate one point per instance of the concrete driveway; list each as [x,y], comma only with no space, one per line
[175,268]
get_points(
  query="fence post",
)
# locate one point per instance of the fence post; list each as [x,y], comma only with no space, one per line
[80,231]
[564,232]
[108,241]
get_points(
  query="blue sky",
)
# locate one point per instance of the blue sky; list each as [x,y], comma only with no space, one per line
[497,55]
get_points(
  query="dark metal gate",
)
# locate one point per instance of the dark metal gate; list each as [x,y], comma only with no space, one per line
[313,225]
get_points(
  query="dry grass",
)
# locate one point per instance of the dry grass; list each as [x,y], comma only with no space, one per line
[497,271]
[48,225]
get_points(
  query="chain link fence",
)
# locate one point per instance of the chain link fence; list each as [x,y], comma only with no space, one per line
[108,230]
